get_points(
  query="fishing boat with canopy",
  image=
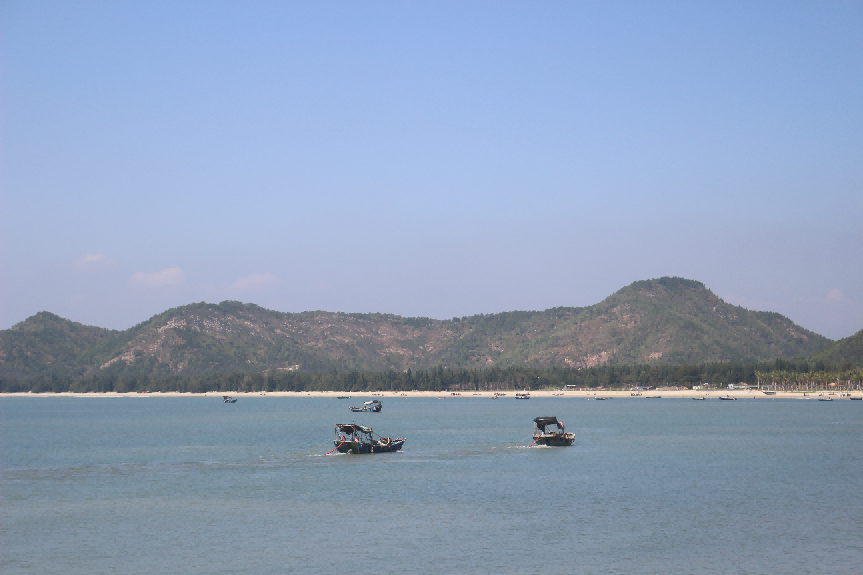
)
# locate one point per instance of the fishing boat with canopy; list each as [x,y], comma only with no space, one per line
[353,438]
[549,431]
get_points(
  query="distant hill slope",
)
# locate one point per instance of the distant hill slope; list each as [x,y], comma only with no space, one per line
[849,349]
[666,320]
[48,343]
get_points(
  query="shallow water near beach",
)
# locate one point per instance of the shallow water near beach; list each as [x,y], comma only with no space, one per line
[194,486]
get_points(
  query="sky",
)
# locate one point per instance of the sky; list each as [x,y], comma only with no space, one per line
[438,159]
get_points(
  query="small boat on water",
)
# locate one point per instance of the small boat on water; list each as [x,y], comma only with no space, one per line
[825,399]
[522,395]
[374,406]
[353,438]
[699,398]
[727,398]
[229,399]
[343,397]
[856,398]
[653,397]
[549,431]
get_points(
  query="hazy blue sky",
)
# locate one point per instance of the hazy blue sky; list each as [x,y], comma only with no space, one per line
[438,159]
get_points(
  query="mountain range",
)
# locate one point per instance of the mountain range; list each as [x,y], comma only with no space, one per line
[661,321]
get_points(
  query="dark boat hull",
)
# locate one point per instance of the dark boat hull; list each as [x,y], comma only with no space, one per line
[555,440]
[357,447]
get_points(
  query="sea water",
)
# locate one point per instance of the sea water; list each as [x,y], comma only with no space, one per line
[193,486]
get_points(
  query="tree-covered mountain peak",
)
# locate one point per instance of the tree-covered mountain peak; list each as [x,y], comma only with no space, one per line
[665,284]
[846,351]
[45,320]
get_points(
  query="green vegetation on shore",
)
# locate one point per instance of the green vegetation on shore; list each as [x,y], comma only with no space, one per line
[780,372]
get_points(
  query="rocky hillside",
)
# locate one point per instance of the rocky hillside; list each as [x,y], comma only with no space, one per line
[665,321]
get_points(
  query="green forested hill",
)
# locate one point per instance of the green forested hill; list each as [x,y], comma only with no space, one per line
[847,350]
[661,321]
[48,343]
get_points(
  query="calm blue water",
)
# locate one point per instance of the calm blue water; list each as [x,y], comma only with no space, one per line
[194,486]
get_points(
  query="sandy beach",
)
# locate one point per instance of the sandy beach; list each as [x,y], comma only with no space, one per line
[365,396]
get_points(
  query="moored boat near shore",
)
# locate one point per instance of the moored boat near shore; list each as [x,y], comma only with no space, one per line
[557,437]
[374,406]
[353,438]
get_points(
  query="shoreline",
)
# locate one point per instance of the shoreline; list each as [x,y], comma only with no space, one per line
[510,394]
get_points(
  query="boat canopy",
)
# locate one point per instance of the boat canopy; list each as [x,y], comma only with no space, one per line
[372,402]
[352,428]
[541,422]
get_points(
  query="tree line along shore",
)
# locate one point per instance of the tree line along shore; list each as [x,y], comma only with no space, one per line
[780,374]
